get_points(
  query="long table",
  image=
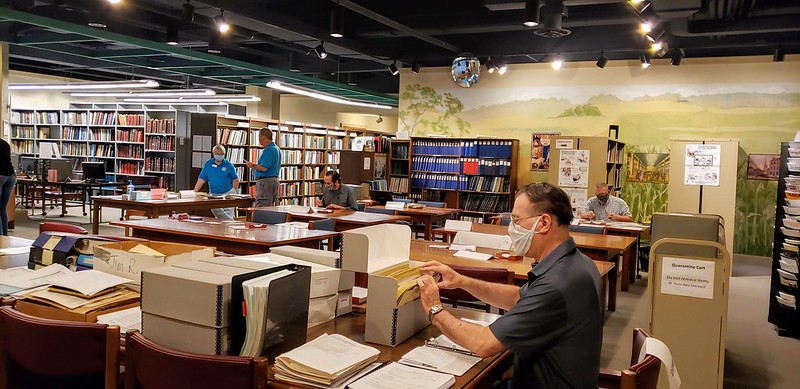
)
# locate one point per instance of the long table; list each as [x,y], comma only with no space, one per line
[345,219]
[631,255]
[426,216]
[425,251]
[210,232]
[61,190]
[155,208]
[481,375]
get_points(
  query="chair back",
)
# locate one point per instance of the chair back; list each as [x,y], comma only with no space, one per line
[381,210]
[361,207]
[402,200]
[62,227]
[647,370]
[144,182]
[434,204]
[503,219]
[461,297]
[150,365]
[492,241]
[328,224]
[588,228]
[269,217]
[45,353]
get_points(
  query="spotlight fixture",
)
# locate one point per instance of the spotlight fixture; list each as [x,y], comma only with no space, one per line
[677,57]
[289,88]
[188,12]
[351,80]
[646,27]
[491,67]
[639,5]
[222,24]
[660,48]
[214,42]
[656,46]
[415,67]
[172,33]
[502,68]
[645,60]
[337,21]
[293,66]
[779,55]
[88,85]
[602,61]
[97,24]
[320,51]
[557,63]
[393,68]
[532,12]
[114,1]
[379,119]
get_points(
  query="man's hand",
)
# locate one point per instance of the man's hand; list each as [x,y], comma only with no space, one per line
[428,292]
[249,164]
[589,215]
[334,206]
[612,216]
[450,278]
[318,202]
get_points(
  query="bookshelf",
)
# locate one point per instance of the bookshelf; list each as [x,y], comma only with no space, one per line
[478,176]
[400,167]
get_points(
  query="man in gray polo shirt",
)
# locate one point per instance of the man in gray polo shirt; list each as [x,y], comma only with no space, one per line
[554,323]
[603,206]
[336,195]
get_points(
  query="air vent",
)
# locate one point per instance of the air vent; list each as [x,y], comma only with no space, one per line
[550,26]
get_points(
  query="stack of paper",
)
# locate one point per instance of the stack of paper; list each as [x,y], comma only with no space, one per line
[18,279]
[86,284]
[406,276]
[126,319]
[327,360]
[397,376]
[256,294]
[118,296]
[440,360]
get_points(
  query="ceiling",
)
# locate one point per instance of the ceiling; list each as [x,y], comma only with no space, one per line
[53,37]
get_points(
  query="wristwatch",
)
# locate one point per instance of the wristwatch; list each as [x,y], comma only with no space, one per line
[434,310]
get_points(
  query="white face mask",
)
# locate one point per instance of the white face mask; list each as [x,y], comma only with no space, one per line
[521,238]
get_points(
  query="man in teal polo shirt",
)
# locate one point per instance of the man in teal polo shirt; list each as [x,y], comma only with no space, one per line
[267,170]
[222,179]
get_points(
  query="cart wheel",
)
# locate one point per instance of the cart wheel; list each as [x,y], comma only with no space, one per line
[84,214]
[61,215]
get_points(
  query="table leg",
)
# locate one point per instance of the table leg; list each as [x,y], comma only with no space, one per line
[63,201]
[96,219]
[612,289]
[629,263]
[428,229]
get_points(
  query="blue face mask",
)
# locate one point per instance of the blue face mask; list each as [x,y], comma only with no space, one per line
[219,158]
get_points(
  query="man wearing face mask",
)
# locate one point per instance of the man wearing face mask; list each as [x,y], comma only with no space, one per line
[554,323]
[606,207]
[222,179]
[336,195]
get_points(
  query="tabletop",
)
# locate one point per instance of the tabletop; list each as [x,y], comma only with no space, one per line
[423,210]
[344,215]
[200,201]
[582,239]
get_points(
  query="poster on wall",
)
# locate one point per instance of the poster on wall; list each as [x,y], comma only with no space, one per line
[577,197]
[648,167]
[763,166]
[380,166]
[702,164]
[574,168]
[540,150]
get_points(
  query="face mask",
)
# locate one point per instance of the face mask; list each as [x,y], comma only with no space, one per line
[219,158]
[602,198]
[521,238]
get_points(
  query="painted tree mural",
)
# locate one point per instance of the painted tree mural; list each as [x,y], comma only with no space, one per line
[429,110]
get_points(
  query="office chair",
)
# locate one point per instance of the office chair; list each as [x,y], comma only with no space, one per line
[269,217]
[328,224]
[45,353]
[434,204]
[588,228]
[641,375]
[402,200]
[150,365]
[419,228]
[461,297]
[361,207]
[62,227]
[381,210]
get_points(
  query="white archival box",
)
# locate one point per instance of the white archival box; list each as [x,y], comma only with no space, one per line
[492,241]
[347,279]
[374,249]
[396,205]
[457,225]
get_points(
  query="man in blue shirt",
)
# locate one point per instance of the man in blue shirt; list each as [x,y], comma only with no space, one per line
[267,170]
[222,179]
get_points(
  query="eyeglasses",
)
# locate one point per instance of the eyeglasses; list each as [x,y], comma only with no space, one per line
[516,220]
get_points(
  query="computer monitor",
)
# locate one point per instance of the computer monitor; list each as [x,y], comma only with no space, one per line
[63,167]
[380,196]
[27,165]
[94,171]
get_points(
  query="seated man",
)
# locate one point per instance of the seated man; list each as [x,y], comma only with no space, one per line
[605,207]
[554,323]
[335,195]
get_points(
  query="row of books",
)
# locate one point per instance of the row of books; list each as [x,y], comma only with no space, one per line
[23,132]
[400,151]
[484,166]
[227,136]
[305,201]
[130,119]
[289,140]
[311,188]
[235,155]
[435,181]
[240,172]
[314,157]
[398,185]
[487,184]
[23,146]
[105,134]
[289,173]
[75,133]
[74,149]
[286,189]
[315,142]
[23,117]
[291,156]
[399,168]
[438,147]
[334,157]
[164,143]
[484,203]
[104,118]
[159,164]
[435,164]
[254,154]
[75,118]
[379,185]
[487,148]
[130,135]
[135,168]
[472,219]
[101,150]
[130,151]
[336,143]
[160,126]
[166,181]
[313,172]
[47,117]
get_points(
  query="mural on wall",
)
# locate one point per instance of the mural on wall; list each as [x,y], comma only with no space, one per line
[427,110]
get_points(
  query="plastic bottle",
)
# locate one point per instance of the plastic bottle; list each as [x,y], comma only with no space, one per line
[131,189]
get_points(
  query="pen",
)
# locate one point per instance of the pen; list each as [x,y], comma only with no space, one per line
[413,362]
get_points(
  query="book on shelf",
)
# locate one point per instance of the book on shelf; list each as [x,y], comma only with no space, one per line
[437,147]
[398,184]
[104,118]
[129,119]
[435,164]
[327,360]
[160,126]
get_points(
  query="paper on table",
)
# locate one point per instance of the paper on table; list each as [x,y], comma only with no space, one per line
[398,376]
[330,354]
[473,255]
[142,249]
[15,250]
[466,247]
[66,300]
[25,278]
[88,282]
[440,360]
[126,319]
[658,349]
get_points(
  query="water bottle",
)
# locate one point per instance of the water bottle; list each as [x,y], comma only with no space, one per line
[131,189]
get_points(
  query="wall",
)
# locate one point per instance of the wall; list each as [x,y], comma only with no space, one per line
[308,110]
[751,99]
[33,99]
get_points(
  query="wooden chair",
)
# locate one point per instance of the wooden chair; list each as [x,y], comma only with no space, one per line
[589,229]
[150,365]
[62,227]
[402,200]
[641,375]
[328,224]
[381,210]
[269,217]
[45,353]
[457,297]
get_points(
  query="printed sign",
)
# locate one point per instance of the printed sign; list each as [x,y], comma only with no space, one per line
[687,277]
[702,164]
[573,168]
[564,143]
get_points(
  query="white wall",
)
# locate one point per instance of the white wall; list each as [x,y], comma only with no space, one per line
[308,110]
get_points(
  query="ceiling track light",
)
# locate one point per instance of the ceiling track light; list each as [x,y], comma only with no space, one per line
[646,27]
[115,2]
[558,62]
[154,93]
[320,50]
[415,68]
[645,60]
[88,85]
[214,42]
[222,24]
[639,5]
[294,67]
[677,57]
[379,120]
[337,21]
[394,69]
[532,13]
[490,65]
[779,55]
[502,68]
[602,61]
[188,12]
[173,37]
[289,88]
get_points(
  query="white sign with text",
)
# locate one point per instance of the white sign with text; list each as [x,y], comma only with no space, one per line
[687,277]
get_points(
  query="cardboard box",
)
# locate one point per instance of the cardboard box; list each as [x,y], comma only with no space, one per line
[116,258]
[344,303]
[321,310]
[347,279]
[37,309]
[186,336]
[62,248]
[373,250]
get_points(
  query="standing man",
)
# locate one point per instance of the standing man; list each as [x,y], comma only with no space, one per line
[336,195]
[267,170]
[603,206]
[554,323]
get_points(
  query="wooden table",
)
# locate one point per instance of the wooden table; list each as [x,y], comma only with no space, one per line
[426,215]
[630,255]
[423,252]
[155,208]
[481,375]
[63,189]
[345,219]
[210,232]
[13,260]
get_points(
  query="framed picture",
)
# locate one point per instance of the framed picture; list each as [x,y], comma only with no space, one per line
[540,150]
[648,167]
[763,166]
